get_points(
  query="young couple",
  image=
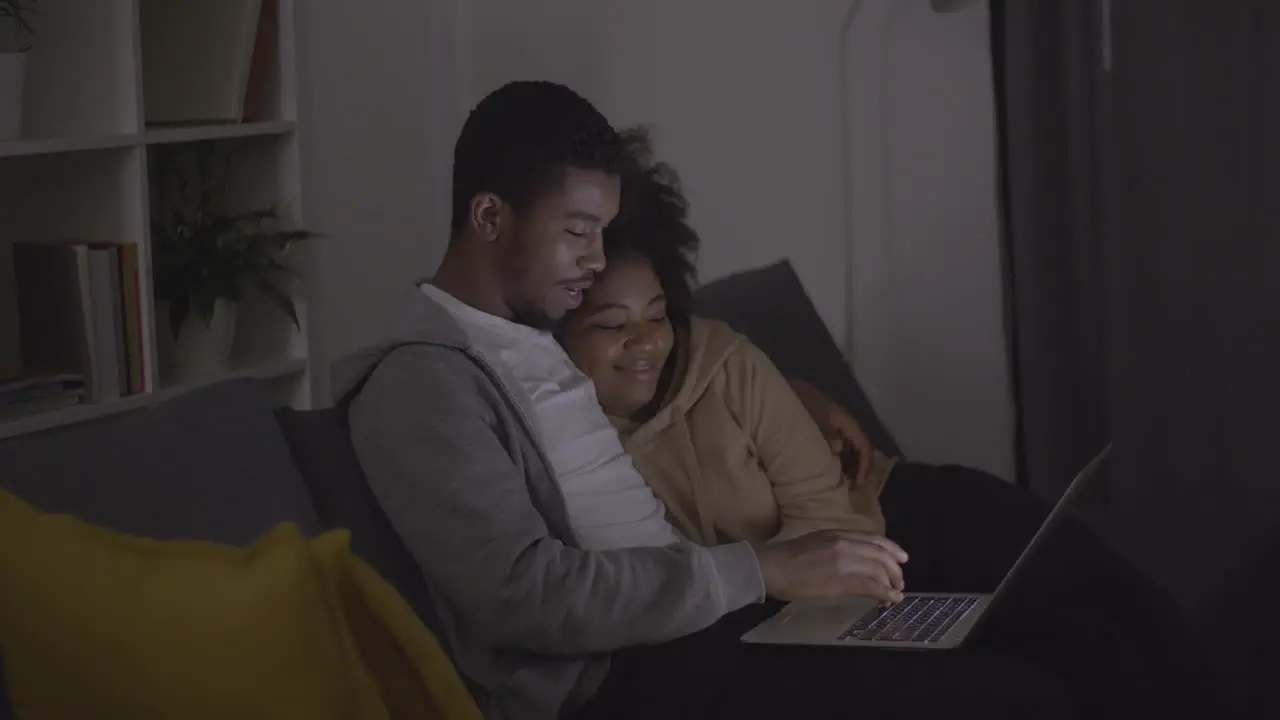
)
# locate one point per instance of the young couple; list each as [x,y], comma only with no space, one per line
[574,577]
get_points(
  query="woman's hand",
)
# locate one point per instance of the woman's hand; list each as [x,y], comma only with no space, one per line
[845,435]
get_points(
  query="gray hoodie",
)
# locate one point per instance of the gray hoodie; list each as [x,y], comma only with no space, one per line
[453,458]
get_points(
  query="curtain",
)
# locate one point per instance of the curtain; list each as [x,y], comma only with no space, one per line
[1141,184]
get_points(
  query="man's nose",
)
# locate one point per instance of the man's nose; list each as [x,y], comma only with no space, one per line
[594,259]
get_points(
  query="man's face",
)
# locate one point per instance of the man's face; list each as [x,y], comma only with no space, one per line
[551,253]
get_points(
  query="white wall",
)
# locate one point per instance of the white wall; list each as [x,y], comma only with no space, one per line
[745,99]
[376,126]
[926,299]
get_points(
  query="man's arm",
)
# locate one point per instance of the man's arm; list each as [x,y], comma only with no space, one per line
[847,438]
[425,435]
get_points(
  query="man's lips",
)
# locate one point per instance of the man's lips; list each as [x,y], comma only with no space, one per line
[579,285]
[574,290]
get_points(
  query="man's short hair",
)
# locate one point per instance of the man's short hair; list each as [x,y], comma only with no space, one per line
[518,141]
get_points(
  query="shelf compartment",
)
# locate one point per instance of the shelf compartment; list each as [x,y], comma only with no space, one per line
[80,74]
[256,173]
[210,61]
[92,200]
[282,372]
[92,196]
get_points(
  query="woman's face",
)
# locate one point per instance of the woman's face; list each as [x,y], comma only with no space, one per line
[620,336]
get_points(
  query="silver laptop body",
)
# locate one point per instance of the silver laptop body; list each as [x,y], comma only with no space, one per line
[922,621]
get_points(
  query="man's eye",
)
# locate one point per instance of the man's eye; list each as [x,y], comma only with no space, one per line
[610,328]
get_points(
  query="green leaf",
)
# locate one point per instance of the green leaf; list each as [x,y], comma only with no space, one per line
[280,298]
[203,252]
[17,11]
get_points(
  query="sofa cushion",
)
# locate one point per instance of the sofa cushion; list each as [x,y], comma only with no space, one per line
[287,627]
[320,444]
[98,623]
[770,306]
[208,465]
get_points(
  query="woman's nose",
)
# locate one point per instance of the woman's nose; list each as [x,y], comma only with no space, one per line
[644,342]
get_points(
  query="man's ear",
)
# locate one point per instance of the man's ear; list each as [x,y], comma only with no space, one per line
[487,211]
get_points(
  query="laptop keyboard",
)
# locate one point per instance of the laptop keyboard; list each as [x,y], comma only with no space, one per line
[922,618]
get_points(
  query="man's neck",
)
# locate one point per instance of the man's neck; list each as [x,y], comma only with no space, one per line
[461,277]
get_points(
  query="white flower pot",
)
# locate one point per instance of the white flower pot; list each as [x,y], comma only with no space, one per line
[12,77]
[197,351]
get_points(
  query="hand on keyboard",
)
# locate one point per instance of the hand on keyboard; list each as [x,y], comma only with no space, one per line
[833,564]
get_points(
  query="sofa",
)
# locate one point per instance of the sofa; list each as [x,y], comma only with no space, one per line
[221,464]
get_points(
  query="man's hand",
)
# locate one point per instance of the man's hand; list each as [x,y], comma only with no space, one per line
[847,439]
[831,564]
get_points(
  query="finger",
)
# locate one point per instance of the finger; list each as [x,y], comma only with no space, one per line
[864,463]
[897,580]
[860,438]
[837,444]
[876,590]
[866,572]
[894,549]
[889,546]
[870,558]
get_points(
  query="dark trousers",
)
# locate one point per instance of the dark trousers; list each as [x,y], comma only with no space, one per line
[1079,609]
[1082,634]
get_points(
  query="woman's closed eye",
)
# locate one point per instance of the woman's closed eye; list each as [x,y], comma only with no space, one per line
[659,319]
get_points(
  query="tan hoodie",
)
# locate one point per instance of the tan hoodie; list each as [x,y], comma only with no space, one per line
[734,454]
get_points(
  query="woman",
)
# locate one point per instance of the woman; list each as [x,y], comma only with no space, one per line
[726,443]
[723,439]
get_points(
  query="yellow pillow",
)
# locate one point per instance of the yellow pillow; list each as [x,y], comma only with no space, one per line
[414,676]
[97,624]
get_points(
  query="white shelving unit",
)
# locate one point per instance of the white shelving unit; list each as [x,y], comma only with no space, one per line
[80,172]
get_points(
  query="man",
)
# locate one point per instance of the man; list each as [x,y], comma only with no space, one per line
[490,455]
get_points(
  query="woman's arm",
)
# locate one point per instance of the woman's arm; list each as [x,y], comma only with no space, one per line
[811,490]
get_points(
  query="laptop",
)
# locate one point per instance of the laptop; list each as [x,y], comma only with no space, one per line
[922,621]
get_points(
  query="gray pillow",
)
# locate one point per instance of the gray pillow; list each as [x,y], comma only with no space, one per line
[320,442]
[210,465]
[770,306]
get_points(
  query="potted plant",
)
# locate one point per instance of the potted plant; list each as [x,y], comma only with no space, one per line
[15,40]
[206,258]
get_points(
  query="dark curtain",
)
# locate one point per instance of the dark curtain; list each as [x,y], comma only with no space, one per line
[1141,181]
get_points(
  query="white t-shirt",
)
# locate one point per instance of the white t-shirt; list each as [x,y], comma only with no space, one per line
[608,501]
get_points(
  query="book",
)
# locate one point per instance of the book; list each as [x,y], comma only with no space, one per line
[55,310]
[33,395]
[79,313]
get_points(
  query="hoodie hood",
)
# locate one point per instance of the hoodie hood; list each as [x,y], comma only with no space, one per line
[702,352]
[421,320]
[707,345]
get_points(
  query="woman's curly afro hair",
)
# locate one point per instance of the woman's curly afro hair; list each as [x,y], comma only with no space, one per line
[652,224]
